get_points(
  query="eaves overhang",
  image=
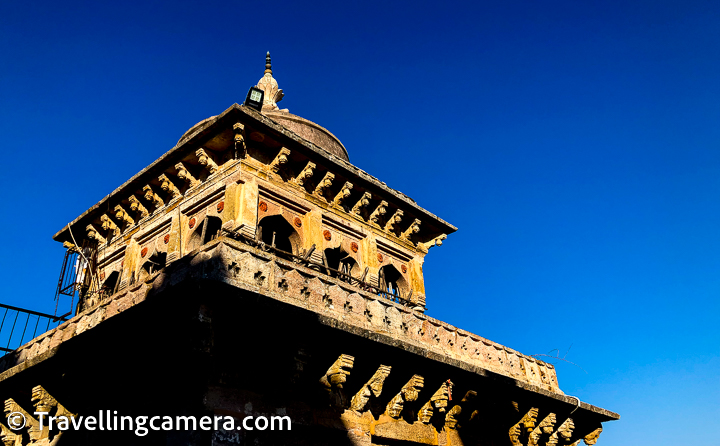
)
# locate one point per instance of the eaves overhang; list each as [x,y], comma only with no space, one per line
[260,122]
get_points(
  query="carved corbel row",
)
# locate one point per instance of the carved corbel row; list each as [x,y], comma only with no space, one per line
[109,225]
[408,393]
[371,388]
[185,176]
[123,216]
[137,207]
[153,198]
[205,161]
[305,174]
[169,187]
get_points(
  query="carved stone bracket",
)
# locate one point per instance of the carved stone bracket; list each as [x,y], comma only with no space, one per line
[123,216]
[167,186]
[343,194]
[152,197]
[362,204]
[437,241]
[453,417]
[185,176]
[527,424]
[137,207]
[335,377]
[414,229]
[281,160]
[44,402]
[391,225]
[240,147]
[324,185]
[8,437]
[305,174]
[563,432]
[205,161]
[378,213]
[408,393]
[546,426]
[109,225]
[371,388]
[592,438]
[32,425]
[93,234]
[438,401]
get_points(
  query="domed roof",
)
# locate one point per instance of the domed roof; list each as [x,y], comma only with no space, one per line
[192,129]
[316,134]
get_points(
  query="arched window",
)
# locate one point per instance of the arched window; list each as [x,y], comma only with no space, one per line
[110,284]
[206,231]
[391,283]
[275,229]
[212,230]
[152,265]
[341,261]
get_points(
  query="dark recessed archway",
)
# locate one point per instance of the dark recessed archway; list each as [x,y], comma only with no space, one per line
[275,229]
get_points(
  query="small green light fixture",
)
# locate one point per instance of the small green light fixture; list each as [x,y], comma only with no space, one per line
[255,98]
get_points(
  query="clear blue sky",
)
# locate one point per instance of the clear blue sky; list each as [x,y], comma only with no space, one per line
[574,143]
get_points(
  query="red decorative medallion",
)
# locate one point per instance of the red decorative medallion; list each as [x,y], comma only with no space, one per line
[166,239]
[297,222]
[191,223]
[327,235]
[263,206]
[380,257]
[354,247]
[221,206]
[143,253]
[403,268]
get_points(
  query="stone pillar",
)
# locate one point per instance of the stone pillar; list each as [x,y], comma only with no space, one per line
[245,205]
[174,248]
[131,263]
[417,281]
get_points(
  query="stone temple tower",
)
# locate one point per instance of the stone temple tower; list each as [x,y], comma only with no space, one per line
[253,271]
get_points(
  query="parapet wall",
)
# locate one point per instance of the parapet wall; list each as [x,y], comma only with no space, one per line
[248,268]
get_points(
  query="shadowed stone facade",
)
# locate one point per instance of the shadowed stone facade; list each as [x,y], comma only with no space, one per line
[252,270]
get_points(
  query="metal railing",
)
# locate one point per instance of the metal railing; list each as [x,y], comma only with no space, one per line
[14,317]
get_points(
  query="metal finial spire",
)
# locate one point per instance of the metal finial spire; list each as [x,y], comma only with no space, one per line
[268,64]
